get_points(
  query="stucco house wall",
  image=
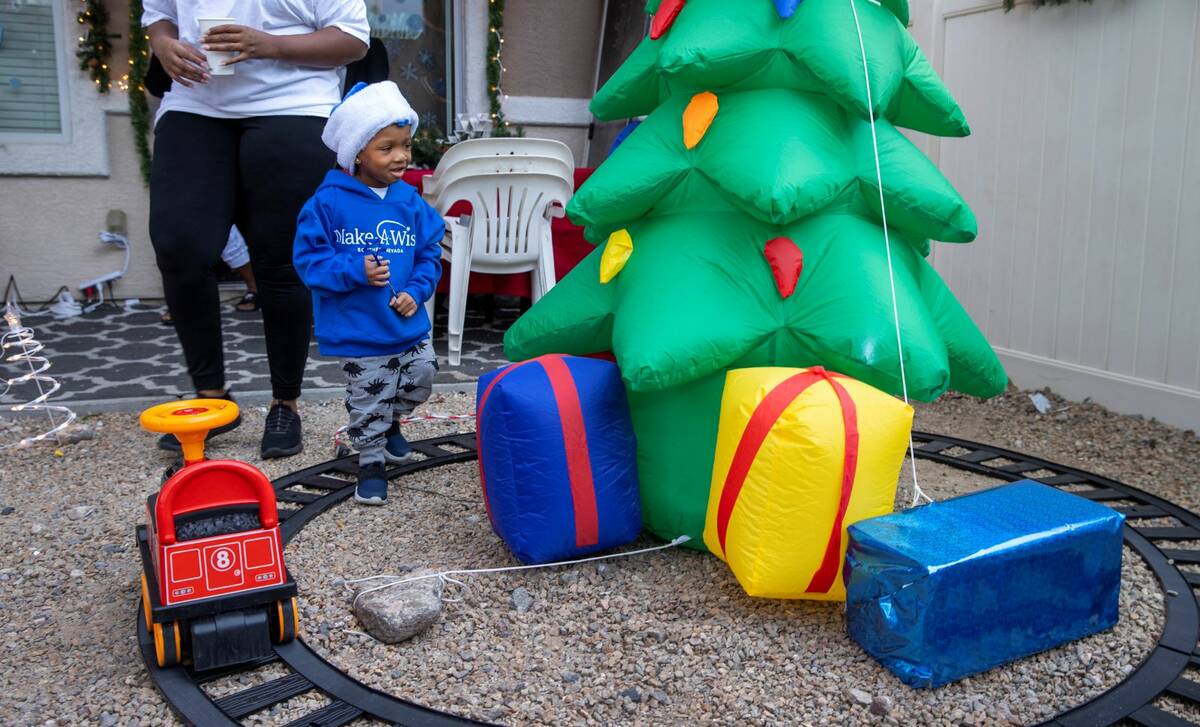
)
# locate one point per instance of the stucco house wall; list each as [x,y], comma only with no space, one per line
[55,194]
[550,55]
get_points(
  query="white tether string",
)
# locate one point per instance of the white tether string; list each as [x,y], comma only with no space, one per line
[918,493]
[443,576]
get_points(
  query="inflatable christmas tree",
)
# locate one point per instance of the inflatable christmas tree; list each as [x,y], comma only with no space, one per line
[741,225]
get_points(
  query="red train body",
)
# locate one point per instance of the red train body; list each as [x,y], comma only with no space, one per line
[218,565]
[215,589]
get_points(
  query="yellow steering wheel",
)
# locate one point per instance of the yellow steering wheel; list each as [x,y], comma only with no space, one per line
[190,421]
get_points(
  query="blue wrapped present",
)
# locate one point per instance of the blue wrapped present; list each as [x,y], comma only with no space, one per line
[557,457]
[957,587]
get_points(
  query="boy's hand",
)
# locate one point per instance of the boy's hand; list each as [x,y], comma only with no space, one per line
[377,271]
[404,305]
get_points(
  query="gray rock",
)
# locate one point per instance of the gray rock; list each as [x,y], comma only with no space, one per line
[80,512]
[112,548]
[398,613]
[858,696]
[76,573]
[660,696]
[569,677]
[521,600]
[107,719]
[632,694]
[79,434]
[6,511]
[881,705]
[1084,655]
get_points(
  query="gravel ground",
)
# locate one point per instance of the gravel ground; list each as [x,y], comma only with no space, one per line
[665,637]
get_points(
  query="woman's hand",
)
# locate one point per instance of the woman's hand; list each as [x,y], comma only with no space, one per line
[182,62]
[248,43]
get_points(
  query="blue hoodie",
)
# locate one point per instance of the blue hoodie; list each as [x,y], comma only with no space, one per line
[342,223]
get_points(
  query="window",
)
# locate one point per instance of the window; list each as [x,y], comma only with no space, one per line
[417,35]
[29,73]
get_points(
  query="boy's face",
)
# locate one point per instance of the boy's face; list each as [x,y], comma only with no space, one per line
[385,157]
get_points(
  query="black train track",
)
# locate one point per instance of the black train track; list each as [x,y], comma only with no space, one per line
[1131,702]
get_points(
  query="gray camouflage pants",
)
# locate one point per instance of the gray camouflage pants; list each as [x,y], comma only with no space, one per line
[384,389]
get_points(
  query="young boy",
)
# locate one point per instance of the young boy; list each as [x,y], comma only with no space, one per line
[370,251]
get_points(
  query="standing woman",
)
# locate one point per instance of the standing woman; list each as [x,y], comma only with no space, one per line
[244,149]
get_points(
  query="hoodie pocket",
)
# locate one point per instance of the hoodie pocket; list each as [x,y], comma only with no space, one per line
[365,317]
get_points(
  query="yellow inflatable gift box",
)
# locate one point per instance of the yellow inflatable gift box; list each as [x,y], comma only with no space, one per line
[801,455]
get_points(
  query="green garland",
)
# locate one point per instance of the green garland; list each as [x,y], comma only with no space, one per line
[495,44]
[139,63]
[95,44]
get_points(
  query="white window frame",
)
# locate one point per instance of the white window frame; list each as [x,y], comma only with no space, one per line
[64,92]
[81,150]
[469,27]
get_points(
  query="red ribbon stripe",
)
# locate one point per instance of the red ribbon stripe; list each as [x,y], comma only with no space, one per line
[579,466]
[762,420]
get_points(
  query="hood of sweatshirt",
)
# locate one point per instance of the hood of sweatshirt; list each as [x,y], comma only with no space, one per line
[339,227]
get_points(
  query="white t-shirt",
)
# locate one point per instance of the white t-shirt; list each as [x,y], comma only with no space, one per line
[260,87]
[381,191]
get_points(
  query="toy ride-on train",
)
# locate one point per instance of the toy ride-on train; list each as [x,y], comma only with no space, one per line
[214,587]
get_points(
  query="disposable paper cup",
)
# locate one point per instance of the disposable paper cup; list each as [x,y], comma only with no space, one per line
[216,58]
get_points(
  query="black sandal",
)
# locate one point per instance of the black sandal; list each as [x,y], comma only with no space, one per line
[250,299]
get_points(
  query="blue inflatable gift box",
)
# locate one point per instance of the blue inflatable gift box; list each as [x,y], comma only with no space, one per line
[957,587]
[557,457]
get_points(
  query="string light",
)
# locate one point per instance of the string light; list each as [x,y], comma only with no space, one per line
[25,348]
[496,67]
[139,109]
[95,45]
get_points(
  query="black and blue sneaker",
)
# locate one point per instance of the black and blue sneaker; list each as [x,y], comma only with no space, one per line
[397,450]
[372,485]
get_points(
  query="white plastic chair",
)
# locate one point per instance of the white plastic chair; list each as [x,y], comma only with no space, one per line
[508,231]
[495,164]
[505,146]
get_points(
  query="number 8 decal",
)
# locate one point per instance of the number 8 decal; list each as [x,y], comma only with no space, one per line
[222,559]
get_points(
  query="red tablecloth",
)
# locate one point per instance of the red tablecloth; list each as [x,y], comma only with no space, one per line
[569,247]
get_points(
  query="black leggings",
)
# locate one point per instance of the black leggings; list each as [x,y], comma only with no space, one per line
[212,173]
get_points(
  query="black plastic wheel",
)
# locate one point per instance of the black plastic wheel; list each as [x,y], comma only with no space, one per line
[146,603]
[168,644]
[284,618]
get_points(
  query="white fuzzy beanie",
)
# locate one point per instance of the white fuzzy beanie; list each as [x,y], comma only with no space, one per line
[362,113]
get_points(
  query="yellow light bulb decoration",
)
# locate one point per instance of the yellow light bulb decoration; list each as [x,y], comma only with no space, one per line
[616,254]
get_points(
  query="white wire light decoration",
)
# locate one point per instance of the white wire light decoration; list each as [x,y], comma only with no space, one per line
[21,348]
